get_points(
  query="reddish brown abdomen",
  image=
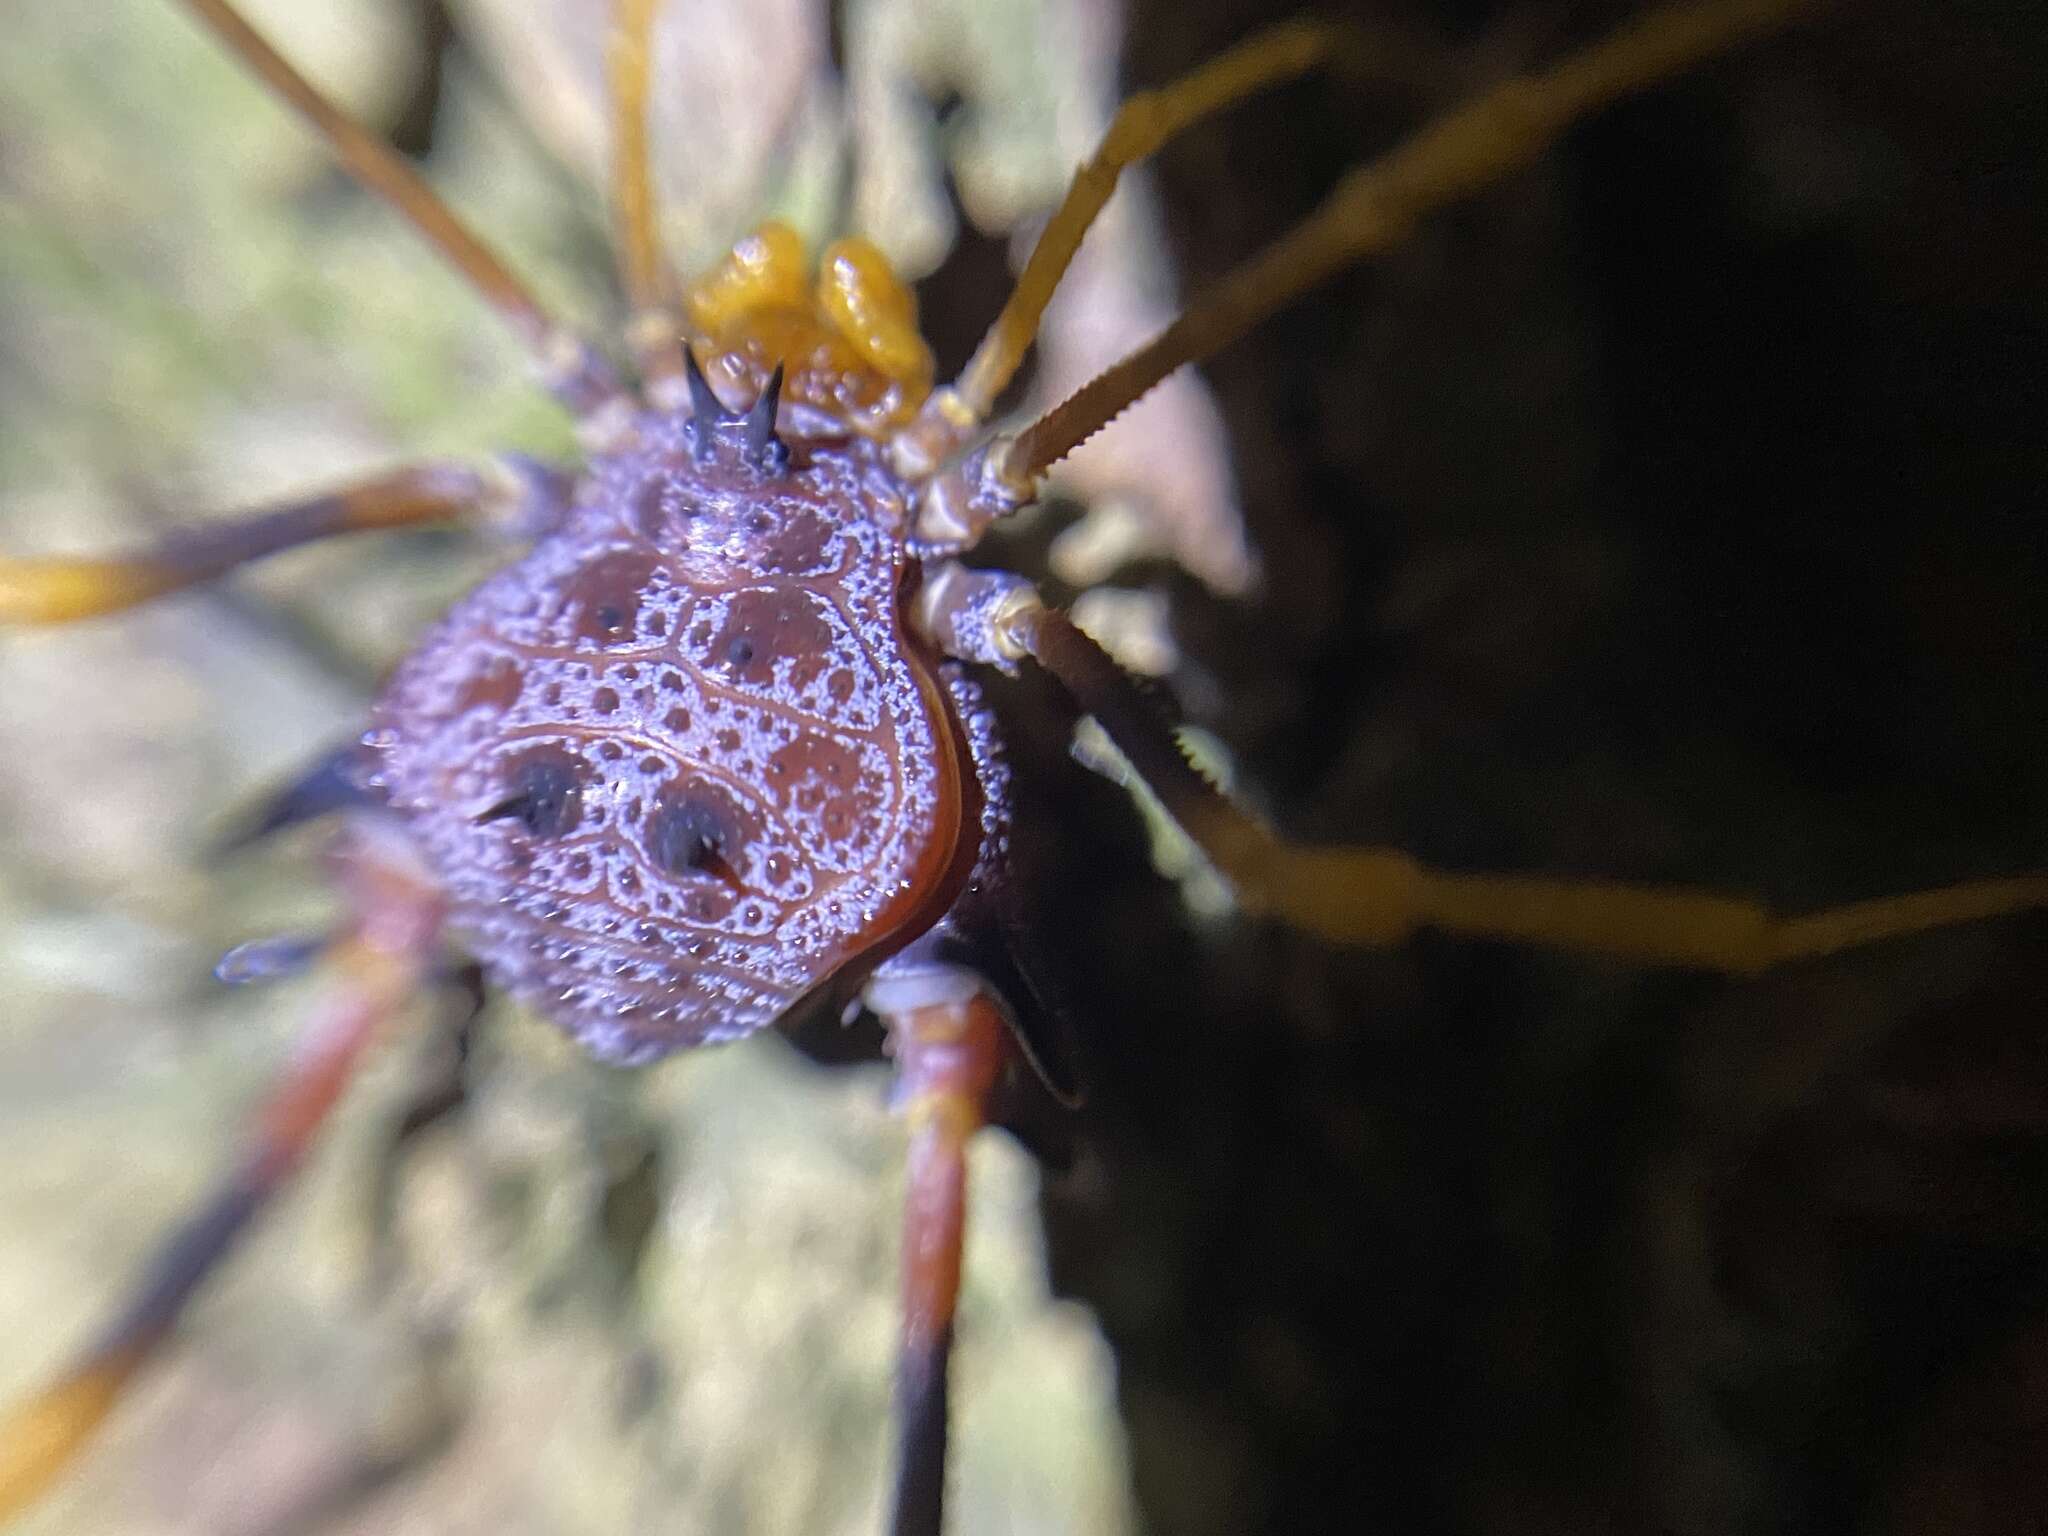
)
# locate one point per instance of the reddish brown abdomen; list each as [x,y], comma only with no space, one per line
[760,790]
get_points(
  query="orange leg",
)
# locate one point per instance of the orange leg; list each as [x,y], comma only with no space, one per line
[378,966]
[653,327]
[946,1033]
[569,367]
[59,590]
[1141,126]
[1371,210]
[1381,896]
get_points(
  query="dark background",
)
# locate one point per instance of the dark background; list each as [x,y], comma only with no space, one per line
[1673,513]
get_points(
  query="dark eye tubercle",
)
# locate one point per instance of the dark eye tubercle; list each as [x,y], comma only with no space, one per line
[688,835]
[546,797]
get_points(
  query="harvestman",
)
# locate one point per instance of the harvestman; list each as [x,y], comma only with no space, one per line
[711,754]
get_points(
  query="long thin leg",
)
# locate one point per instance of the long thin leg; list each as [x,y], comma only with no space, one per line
[1381,896]
[653,329]
[378,965]
[1141,126]
[569,367]
[59,589]
[946,1033]
[1371,210]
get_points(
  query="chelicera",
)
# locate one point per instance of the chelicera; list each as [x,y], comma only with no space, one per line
[712,755]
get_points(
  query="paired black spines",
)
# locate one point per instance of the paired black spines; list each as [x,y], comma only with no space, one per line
[763,449]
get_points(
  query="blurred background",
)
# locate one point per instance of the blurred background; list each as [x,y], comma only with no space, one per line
[1672,512]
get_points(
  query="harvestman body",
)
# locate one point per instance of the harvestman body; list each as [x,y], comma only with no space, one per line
[709,755]
[679,768]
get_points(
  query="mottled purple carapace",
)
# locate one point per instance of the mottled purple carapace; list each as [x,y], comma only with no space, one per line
[680,767]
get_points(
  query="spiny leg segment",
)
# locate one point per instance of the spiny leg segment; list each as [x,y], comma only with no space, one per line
[1141,126]
[570,368]
[1374,208]
[1371,210]
[378,964]
[1382,896]
[60,589]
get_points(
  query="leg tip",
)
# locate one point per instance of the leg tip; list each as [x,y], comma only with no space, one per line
[921,1413]
[44,1435]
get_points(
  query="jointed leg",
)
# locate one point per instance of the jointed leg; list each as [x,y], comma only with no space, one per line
[59,590]
[1369,211]
[946,1033]
[657,343]
[569,367]
[1376,206]
[378,965]
[1141,126]
[1381,895]
[1376,895]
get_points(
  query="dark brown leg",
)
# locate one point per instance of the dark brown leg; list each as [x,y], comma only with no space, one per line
[378,964]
